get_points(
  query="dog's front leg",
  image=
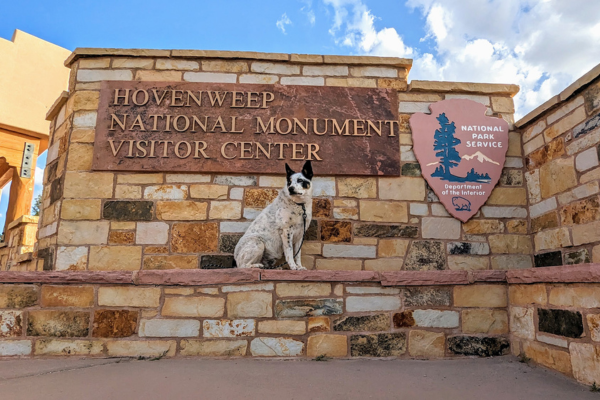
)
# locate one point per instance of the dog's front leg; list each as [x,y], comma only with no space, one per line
[288,248]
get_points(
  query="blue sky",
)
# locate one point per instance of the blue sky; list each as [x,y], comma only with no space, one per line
[541,45]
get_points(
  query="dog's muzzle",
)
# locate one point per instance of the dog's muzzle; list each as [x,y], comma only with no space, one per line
[292,190]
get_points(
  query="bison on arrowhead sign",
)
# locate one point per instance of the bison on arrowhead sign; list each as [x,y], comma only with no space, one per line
[461,152]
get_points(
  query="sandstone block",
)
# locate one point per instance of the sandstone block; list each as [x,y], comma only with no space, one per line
[468,263]
[152,233]
[383,72]
[166,192]
[440,228]
[587,233]
[181,210]
[493,322]
[11,324]
[587,159]
[83,232]
[128,192]
[325,70]
[114,323]
[383,211]
[15,348]
[201,306]
[91,63]
[378,345]
[57,347]
[380,322]
[572,296]
[303,289]
[551,358]
[578,193]
[508,196]
[436,318]
[88,185]
[111,258]
[67,296]
[593,321]
[84,119]
[476,226]
[527,294]
[350,251]
[581,212]
[339,265]
[116,237]
[552,239]
[425,255]
[18,296]
[138,348]
[503,104]
[327,345]
[357,187]
[58,323]
[392,247]
[426,344]
[553,340]
[249,304]
[194,237]
[557,176]
[480,296]
[209,191]
[141,179]
[282,327]
[385,264]
[372,303]
[80,157]
[171,262]
[123,296]
[510,244]
[521,322]
[276,347]
[213,348]
[96,75]
[303,308]
[308,81]
[169,328]
[159,76]
[402,188]
[212,328]
[225,210]
[182,65]
[143,63]
[71,258]
[504,212]
[319,324]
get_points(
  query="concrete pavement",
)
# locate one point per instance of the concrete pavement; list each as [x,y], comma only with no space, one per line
[502,378]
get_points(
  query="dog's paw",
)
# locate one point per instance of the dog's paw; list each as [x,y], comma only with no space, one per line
[298,268]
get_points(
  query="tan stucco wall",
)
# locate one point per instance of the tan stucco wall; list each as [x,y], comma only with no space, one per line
[32,76]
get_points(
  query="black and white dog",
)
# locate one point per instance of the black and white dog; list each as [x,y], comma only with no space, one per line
[278,229]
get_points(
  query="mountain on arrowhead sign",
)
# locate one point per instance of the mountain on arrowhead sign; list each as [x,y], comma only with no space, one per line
[461,152]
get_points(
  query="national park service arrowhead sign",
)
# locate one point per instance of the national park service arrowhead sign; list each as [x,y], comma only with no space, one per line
[461,152]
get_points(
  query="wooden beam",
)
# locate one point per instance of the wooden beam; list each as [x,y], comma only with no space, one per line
[5,172]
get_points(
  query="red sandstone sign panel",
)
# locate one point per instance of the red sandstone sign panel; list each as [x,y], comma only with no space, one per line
[461,152]
[209,127]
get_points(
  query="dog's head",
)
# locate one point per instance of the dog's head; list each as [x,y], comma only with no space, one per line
[299,184]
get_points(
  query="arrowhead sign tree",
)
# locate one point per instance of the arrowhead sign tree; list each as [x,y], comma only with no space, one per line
[445,146]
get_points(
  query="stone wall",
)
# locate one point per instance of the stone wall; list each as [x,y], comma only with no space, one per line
[137,221]
[555,324]
[562,145]
[253,313]
[16,253]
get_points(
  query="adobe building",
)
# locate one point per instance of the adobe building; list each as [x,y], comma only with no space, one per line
[31,77]
[143,198]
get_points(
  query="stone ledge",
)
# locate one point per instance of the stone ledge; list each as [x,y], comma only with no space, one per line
[66,277]
[424,278]
[464,87]
[487,276]
[196,277]
[57,105]
[24,219]
[320,276]
[583,273]
[81,52]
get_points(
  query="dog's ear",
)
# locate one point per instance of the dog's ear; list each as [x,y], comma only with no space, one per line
[289,172]
[307,170]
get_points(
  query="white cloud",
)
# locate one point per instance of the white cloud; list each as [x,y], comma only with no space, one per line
[282,22]
[310,14]
[359,30]
[541,45]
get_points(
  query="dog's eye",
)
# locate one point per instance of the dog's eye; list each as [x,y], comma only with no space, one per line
[305,184]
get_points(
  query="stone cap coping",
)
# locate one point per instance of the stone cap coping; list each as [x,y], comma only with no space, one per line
[58,103]
[23,219]
[582,273]
[464,87]
[230,276]
[81,52]
[563,96]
